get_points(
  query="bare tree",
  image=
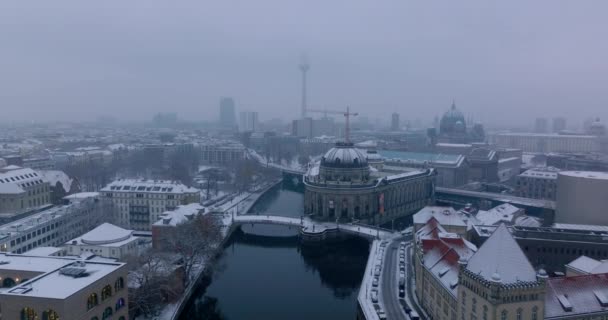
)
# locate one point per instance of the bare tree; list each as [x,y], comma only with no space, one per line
[194,241]
[150,277]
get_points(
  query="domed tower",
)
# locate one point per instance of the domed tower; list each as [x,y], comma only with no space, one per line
[452,122]
[344,163]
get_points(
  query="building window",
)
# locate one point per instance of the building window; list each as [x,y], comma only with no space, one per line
[92,301]
[28,313]
[50,315]
[519,314]
[106,292]
[107,313]
[535,313]
[119,284]
[503,315]
[8,282]
[120,303]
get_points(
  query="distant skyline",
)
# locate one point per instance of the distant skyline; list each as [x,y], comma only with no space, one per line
[505,62]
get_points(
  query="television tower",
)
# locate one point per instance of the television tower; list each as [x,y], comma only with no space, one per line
[304,66]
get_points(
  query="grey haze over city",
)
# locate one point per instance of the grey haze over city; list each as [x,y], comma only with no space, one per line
[75,60]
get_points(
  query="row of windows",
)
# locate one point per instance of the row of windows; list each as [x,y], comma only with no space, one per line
[28,313]
[106,293]
[19,178]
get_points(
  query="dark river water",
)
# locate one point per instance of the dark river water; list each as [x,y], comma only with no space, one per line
[261,277]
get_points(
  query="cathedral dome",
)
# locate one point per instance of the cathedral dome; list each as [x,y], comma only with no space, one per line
[452,121]
[344,155]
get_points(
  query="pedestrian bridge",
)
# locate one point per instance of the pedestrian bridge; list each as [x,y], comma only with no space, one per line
[313,228]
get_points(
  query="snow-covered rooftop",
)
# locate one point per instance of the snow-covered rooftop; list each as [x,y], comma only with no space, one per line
[586,174]
[54,176]
[446,216]
[500,257]
[148,186]
[43,251]
[442,251]
[541,173]
[567,297]
[56,284]
[588,265]
[107,235]
[14,179]
[180,214]
[503,213]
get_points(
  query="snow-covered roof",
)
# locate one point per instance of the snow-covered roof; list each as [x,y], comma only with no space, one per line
[54,176]
[107,235]
[82,195]
[442,251]
[31,263]
[43,251]
[148,186]
[501,255]
[541,173]
[20,177]
[581,227]
[344,154]
[588,265]
[55,284]
[586,174]
[9,188]
[502,213]
[180,214]
[446,216]
[545,135]
[567,297]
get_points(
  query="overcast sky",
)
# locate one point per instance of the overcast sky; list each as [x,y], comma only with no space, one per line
[507,61]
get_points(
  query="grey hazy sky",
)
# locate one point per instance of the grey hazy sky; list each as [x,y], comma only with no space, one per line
[500,61]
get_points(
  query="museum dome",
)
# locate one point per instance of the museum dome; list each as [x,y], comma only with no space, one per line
[452,121]
[344,155]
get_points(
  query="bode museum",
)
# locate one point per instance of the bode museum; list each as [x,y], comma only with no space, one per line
[351,184]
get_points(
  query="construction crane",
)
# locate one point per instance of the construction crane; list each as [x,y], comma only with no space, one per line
[346,115]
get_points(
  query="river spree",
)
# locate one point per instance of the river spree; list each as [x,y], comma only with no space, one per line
[260,277]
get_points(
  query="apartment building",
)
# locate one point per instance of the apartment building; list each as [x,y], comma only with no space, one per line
[140,203]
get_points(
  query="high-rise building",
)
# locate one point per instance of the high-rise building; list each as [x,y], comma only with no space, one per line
[540,125]
[559,124]
[304,67]
[248,121]
[227,113]
[302,127]
[395,121]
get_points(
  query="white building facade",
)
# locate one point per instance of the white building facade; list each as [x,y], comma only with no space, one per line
[54,226]
[22,189]
[139,203]
[106,240]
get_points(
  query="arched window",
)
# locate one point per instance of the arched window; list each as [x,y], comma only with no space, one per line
[535,313]
[120,303]
[92,301]
[119,284]
[503,315]
[106,292]
[94,318]
[107,313]
[519,314]
[50,315]
[28,313]
[8,282]
[121,318]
